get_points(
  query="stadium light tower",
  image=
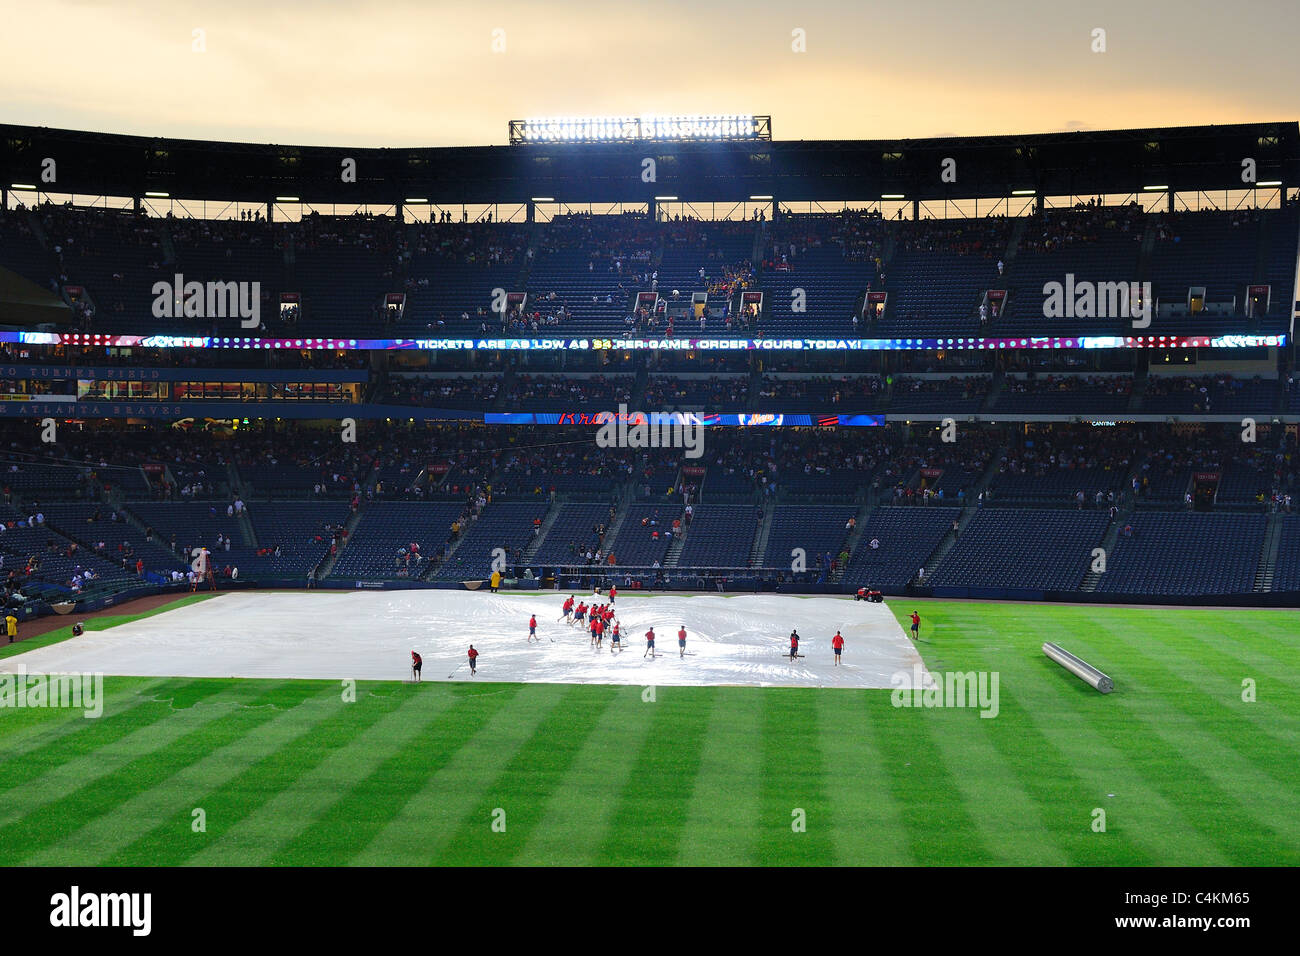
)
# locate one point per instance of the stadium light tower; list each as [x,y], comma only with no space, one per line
[716,127]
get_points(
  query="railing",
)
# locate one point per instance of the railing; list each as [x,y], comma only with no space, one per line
[646,577]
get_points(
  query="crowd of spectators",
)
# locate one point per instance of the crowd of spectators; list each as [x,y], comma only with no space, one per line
[1084,222]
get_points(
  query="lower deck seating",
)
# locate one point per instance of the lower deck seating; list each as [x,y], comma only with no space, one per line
[1032,548]
[1174,554]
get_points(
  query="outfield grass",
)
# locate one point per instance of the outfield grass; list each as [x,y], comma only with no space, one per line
[287,773]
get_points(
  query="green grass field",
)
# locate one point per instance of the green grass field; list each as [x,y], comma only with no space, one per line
[285,772]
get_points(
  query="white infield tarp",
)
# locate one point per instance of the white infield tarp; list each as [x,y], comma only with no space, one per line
[369,635]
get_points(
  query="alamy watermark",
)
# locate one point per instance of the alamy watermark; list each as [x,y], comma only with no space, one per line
[624,429]
[1098,300]
[84,692]
[77,909]
[922,689]
[179,299]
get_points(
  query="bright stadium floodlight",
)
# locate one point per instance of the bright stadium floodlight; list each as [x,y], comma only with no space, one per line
[1023,192]
[158,195]
[760,197]
[720,127]
[892,196]
[1272,182]
[665,199]
[21,186]
[542,199]
[415,200]
[1155,189]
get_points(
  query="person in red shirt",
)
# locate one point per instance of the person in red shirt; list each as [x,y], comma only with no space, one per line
[580,614]
[615,640]
[837,642]
[568,608]
[649,643]
[600,632]
[416,663]
[794,644]
[473,661]
[681,641]
[613,593]
[916,624]
[532,630]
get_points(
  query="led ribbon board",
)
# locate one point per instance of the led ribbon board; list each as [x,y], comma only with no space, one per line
[958,343]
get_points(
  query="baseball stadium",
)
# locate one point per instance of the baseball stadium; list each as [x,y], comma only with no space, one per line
[346,490]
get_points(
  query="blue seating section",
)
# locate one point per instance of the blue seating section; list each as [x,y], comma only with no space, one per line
[297,528]
[503,524]
[570,535]
[635,544]
[956,395]
[1056,485]
[1210,395]
[43,482]
[841,484]
[720,536]
[193,524]
[56,566]
[1173,554]
[1065,395]
[817,531]
[1008,548]
[939,270]
[1286,572]
[89,524]
[907,536]
[387,528]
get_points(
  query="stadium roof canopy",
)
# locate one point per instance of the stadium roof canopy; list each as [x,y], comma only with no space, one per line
[1204,158]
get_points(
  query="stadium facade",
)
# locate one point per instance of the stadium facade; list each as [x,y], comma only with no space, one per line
[863,328]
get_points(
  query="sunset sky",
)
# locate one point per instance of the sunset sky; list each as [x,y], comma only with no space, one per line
[418,73]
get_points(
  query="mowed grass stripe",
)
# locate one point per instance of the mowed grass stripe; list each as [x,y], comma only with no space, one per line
[1093,734]
[455,769]
[1215,676]
[1009,817]
[1060,794]
[794,813]
[369,803]
[338,764]
[577,818]
[724,806]
[522,788]
[1099,740]
[646,828]
[270,771]
[999,640]
[1231,778]
[1257,731]
[937,826]
[1265,642]
[23,732]
[151,756]
[229,745]
[866,819]
[68,762]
